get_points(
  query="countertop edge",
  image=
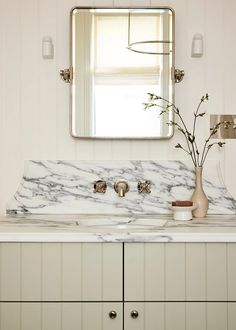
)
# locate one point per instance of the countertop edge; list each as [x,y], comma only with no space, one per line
[118,238]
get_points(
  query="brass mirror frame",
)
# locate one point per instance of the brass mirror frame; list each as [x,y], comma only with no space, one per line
[68,77]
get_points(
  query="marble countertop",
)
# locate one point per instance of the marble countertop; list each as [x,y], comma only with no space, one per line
[116,228]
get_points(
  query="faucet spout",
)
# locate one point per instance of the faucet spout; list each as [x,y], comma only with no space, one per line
[121,187]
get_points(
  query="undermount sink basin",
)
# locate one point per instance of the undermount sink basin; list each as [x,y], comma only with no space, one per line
[121,222]
[93,222]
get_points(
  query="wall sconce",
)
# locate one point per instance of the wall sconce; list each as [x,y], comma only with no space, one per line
[197,45]
[47,48]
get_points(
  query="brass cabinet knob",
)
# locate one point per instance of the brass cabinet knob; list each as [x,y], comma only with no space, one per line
[112,314]
[134,314]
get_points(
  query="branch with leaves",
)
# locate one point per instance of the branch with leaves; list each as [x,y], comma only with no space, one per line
[191,149]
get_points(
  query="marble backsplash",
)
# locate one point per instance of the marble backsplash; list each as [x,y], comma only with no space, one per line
[66,187]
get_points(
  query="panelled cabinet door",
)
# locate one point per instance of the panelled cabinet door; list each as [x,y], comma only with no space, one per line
[61,272]
[61,316]
[179,316]
[180,272]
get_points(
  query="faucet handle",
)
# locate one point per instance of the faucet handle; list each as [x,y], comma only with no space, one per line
[100,186]
[144,187]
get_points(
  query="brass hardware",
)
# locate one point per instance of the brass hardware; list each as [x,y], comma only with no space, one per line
[121,187]
[144,187]
[134,314]
[228,128]
[112,314]
[100,186]
[66,75]
[178,75]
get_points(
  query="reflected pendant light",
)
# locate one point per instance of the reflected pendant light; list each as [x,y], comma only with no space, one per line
[149,47]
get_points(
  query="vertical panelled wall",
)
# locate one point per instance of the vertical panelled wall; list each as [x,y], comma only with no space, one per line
[34,102]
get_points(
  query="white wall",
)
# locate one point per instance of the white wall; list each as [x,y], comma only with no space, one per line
[34,102]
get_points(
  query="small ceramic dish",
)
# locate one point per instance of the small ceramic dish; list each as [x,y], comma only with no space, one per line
[183,213]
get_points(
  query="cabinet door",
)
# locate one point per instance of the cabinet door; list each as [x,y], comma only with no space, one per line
[61,272]
[179,316]
[180,272]
[60,316]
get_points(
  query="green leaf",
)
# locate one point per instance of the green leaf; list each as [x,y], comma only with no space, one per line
[205,97]
[178,146]
[201,114]
[221,144]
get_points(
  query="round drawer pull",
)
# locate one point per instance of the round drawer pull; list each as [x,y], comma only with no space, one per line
[112,314]
[134,314]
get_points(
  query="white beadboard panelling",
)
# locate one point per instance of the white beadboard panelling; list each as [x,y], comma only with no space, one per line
[84,149]
[120,149]
[34,102]
[102,149]
[29,78]
[214,53]
[66,145]
[139,150]
[47,107]
[11,157]
[230,54]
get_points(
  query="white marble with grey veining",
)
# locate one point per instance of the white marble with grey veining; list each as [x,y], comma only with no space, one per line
[66,187]
[116,228]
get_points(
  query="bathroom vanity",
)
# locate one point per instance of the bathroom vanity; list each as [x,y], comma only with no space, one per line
[113,262]
[56,272]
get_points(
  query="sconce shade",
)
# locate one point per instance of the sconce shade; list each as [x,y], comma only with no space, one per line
[47,48]
[197,45]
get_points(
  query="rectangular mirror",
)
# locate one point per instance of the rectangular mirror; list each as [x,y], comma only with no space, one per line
[117,57]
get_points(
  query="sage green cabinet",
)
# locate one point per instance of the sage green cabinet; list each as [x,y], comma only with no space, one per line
[61,272]
[180,272]
[95,316]
[149,286]
[180,316]
[60,316]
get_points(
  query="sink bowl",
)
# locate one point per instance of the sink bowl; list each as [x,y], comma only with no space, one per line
[93,222]
[121,222]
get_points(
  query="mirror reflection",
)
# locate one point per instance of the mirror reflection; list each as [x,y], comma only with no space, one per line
[118,56]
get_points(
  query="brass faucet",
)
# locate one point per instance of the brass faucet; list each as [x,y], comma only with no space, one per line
[121,187]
